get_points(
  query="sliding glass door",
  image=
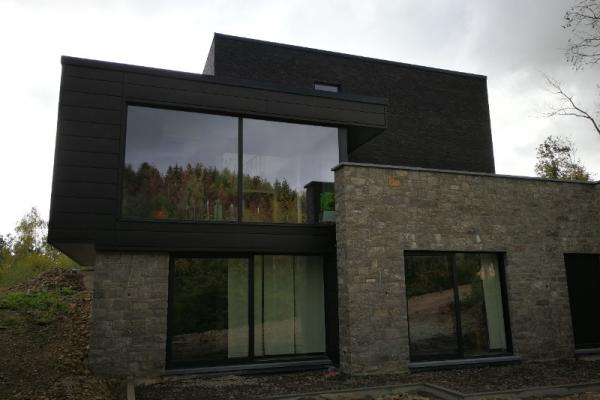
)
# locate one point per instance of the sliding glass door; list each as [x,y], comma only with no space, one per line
[209,310]
[289,312]
[228,310]
[455,305]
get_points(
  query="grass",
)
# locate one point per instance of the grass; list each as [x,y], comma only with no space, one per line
[40,307]
[17,270]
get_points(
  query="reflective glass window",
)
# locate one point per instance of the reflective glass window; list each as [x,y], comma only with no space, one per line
[180,165]
[281,161]
[455,305]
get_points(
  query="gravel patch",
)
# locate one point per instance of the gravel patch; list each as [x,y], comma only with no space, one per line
[469,380]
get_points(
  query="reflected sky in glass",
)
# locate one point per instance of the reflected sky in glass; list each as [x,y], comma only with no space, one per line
[165,138]
[296,153]
[279,160]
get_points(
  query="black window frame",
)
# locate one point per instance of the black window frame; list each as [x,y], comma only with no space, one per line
[329,355]
[451,259]
[342,136]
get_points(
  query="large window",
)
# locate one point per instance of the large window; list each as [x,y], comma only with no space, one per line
[209,309]
[455,305]
[180,165]
[280,160]
[187,166]
[228,310]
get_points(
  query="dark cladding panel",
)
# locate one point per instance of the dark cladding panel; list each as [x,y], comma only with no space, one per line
[87,184]
[437,119]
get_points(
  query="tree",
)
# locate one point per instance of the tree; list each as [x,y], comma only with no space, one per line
[583,19]
[566,106]
[5,247]
[31,233]
[557,159]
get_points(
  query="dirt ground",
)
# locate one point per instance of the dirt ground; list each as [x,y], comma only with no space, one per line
[47,361]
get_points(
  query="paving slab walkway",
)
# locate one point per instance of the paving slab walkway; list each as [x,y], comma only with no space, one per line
[561,379]
[430,391]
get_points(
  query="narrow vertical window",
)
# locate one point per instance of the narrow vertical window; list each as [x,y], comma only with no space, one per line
[583,281]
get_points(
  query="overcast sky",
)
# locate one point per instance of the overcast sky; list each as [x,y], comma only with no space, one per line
[510,41]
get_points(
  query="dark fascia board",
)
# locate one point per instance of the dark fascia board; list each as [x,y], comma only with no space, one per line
[349,56]
[113,66]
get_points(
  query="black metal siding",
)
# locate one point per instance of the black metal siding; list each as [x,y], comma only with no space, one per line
[437,118]
[86,188]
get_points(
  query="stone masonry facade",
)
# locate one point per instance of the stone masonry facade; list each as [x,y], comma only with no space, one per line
[384,211]
[381,213]
[128,331]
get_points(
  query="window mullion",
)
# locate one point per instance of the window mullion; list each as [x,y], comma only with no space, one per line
[250,307]
[240,183]
[457,316]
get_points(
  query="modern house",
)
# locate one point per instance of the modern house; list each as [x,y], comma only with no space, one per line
[294,208]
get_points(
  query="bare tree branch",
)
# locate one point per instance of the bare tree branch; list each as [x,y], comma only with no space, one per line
[566,105]
[584,21]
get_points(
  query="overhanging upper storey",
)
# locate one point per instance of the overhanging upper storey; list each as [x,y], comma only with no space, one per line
[156,160]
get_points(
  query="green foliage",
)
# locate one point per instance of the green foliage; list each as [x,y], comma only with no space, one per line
[30,234]
[26,254]
[327,201]
[18,269]
[5,248]
[557,159]
[203,193]
[200,284]
[40,307]
[427,275]
[191,193]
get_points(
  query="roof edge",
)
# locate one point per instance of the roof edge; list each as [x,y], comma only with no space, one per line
[458,172]
[110,65]
[350,56]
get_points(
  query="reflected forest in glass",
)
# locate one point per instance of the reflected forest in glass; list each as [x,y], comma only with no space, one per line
[183,165]
[202,193]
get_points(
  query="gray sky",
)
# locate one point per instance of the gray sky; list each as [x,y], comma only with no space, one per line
[510,41]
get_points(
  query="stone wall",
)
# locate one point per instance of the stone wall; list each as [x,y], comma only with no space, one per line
[128,330]
[382,212]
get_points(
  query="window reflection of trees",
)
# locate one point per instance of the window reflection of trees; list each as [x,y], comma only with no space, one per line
[207,194]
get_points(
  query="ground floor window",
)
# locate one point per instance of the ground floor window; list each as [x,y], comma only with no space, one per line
[456,305]
[583,281]
[238,309]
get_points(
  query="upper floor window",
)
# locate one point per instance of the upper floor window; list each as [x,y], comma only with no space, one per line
[327,87]
[282,161]
[186,166]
